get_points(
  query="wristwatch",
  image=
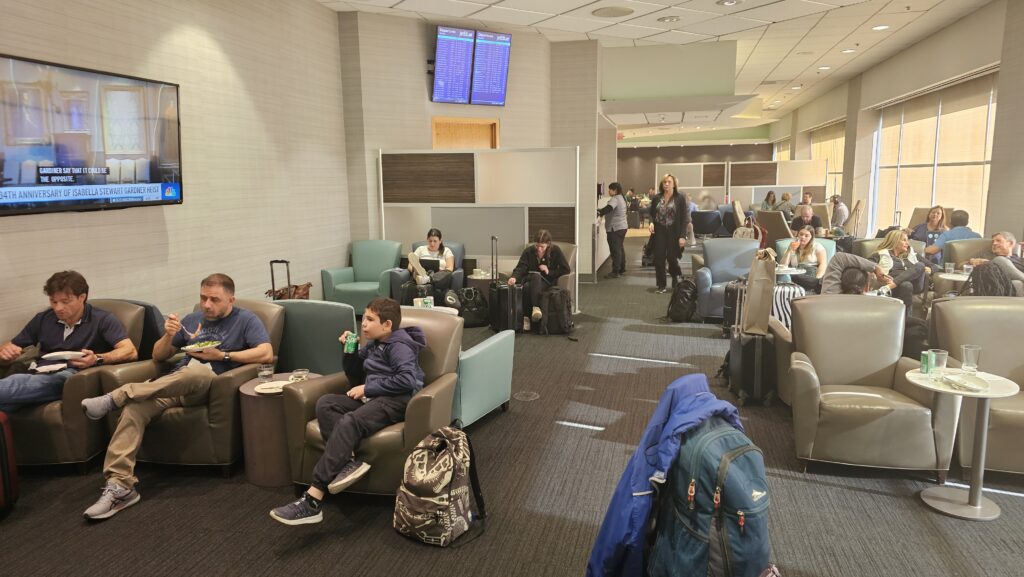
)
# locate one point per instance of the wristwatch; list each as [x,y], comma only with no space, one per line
[227,357]
[99,360]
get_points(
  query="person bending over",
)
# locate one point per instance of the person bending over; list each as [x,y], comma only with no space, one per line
[538,269]
[614,214]
[830,283]
[242,340]
[898,260]
[434,250]
[383,374]
[70,324]
[806,253]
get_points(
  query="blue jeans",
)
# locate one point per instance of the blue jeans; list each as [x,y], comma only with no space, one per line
[28,389]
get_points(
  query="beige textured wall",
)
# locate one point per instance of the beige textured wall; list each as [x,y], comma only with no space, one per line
[262,146]
[391,108]
[607,172]
[1005,200]
[575,90]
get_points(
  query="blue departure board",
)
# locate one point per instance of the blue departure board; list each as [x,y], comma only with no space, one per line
[453,65]
[490,68]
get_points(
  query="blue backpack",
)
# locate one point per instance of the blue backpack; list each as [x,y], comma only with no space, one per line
[712,514]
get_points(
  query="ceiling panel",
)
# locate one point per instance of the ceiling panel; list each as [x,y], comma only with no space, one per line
[573,24]
[786,10]
[701,115]
[624,119]
[561,35]
[677,37]
[664,117]
[628,31]
[612,41]
[380,3]
[552,6]
[443,7]
[712,6]
[638,8]
[510,16]
[339,6]
[723,25]
[842,2]
[381,10]
[686,18]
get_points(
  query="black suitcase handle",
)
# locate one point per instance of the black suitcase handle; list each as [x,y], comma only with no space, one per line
[288,271]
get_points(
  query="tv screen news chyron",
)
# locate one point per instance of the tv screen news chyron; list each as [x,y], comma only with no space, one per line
[490,68]
[75,139]
[453,65]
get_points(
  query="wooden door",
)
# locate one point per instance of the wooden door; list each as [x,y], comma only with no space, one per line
[464,133]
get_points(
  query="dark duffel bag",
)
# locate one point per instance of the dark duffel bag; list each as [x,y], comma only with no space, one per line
[751,367]
[474,308]
[684,301]
[556,306]
[411,291]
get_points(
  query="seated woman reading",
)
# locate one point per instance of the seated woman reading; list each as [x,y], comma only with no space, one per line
[804,252]
[538,269]
[897,260]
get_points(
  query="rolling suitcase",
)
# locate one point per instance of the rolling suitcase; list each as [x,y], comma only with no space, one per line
[732,310]
[633,219]
[751,367]
[506,302]
[8,466]
[647,258]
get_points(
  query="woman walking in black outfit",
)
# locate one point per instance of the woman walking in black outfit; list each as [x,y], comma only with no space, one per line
[670,216]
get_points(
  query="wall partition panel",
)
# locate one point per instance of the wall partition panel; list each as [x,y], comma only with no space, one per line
[749,182]
[435,178]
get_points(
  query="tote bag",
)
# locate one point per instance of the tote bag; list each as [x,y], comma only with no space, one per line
[757,304]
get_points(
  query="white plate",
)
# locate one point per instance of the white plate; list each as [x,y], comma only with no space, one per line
[63,356]
[271,388]
[196,347]
[965,382]
[51,368]
[783,270]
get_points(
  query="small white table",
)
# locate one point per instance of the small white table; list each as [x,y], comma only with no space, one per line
[789,270]
[951,500]
[953,276]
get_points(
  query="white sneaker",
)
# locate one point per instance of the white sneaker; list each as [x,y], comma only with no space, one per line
[536,314]
[112,500]
[422,279]
[414,261]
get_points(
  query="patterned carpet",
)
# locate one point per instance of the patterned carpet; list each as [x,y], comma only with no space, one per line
[548,468]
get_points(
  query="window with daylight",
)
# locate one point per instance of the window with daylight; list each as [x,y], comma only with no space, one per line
[780,150]
[829,143]
[935,149]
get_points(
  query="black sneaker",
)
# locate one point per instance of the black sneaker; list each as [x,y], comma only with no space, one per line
[301,512]
[350,473]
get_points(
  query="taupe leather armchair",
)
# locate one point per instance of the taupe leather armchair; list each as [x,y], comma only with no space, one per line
[997,325]
[854,405]
[208,433]
[58,432]
[783,341]
[385,450]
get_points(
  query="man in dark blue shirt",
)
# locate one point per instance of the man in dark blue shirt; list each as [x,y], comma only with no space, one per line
[70,329]
[218,338]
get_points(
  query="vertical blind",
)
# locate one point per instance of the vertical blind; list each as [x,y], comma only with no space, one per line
[936,149]
[829,143]
[781,151]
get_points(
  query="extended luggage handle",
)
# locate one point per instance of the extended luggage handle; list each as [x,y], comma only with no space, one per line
[494,258]
[288,271]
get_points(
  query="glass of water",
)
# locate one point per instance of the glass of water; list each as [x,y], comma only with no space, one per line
[970,355]
[940,357]
[265,373]
[968,268]
[950,268]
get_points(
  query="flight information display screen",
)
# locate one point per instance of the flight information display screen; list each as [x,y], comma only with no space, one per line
[490,68]
[453,65]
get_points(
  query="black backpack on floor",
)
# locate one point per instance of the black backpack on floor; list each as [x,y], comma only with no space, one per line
[474,308]
[411,291]
[683,302]
[556,306]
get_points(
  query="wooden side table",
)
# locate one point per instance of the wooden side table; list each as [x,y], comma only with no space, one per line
[267,463]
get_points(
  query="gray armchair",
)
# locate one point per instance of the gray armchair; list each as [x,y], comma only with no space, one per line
[367,278]
[400,276]
[725,260]
[58,431]
[385,450]
[997,325]
[855,406]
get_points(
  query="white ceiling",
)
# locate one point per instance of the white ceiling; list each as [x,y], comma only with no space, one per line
[780,44]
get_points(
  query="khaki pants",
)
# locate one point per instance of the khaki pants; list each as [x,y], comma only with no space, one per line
[143,402]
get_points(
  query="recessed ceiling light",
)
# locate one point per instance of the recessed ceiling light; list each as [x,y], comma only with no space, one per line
[797,87]
[880,27]
[848,50]
[612,12]
[824,68]
[728,2]
[777,102]
[804,53]
[669,19]
[698,128]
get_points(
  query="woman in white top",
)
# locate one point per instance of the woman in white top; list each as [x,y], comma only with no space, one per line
[433,250]
[805,253]
[898,260]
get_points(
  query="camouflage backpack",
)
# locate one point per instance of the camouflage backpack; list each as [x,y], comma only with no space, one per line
[439,497]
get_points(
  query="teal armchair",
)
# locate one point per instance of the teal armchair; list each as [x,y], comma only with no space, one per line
[367,278]
[310,338]
[485,378]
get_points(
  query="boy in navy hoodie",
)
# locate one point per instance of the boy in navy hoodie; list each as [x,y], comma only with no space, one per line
[384,374]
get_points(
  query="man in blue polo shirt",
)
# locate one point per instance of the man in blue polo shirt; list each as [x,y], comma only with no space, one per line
[70,325]
[218,338]
[958,220]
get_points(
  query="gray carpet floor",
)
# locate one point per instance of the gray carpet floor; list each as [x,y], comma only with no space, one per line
[548,468]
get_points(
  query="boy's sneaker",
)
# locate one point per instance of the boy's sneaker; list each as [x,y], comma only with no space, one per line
[350,473]
[97,407]
[112,500]
[536,314]
[414,261]
[301,512]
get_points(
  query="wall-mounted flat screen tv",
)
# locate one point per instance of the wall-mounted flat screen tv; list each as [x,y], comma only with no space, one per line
[490,68]
[77,139]
[453,65]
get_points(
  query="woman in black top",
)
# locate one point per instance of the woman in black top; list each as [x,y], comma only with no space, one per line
[538,269]
[669,217]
